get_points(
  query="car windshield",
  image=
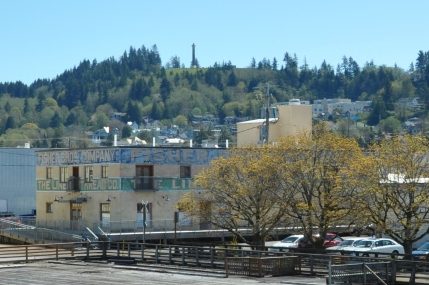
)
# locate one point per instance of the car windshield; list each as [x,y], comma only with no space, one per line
[424,247]
[290,239]
[364,243]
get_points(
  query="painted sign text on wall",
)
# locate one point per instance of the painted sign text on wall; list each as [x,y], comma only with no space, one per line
[129,156]
[96,184]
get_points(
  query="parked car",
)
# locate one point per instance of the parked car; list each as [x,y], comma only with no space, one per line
[343,244]
[368,246]
[292,243]
[8,222]
[422,251]
[332,240]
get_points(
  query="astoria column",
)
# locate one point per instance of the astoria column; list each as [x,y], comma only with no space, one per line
[193,56]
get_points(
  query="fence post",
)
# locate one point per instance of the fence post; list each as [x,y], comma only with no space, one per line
[104,250]
[211,257]
[312,266]
[56,252]
[156,254]
[87,250]
[143,252]
[183,255]
[197,249]
[364,273]
[169,255]
[226,267]
[129,250]
[26,254]
[330,271]
[394,271]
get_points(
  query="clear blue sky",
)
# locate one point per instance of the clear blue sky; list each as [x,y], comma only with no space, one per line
[41,39]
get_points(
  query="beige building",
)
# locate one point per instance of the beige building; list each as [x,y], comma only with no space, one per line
[288,120]
[104,185]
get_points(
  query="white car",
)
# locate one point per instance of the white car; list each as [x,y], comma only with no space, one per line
[291,243]
[374,245]
[345,243]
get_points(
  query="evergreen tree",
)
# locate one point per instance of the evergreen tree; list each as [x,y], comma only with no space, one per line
[134,114]
[126,131]
[10,123]
[224,135]
[57,141]
[194,85]
[167,112]
[26,106]
[55,121]
[274,65]
[156,112]
[165,88]
[151,82]
[7,107]
[201,135]
[253,63]
[40,98]
[71,119]
[378,112]
[232,79]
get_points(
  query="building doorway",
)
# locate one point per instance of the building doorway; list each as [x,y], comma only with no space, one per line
[75,215]
[144,177]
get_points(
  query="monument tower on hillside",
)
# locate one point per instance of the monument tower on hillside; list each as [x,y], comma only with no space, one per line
[194,64]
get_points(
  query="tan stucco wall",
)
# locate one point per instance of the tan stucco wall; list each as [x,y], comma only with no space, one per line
[124,206]
[248,133]
[292,118]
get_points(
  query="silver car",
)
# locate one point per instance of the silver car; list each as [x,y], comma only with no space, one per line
[368,246]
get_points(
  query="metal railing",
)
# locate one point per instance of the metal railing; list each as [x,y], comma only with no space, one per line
[214,258]
[29,230]
[361,273]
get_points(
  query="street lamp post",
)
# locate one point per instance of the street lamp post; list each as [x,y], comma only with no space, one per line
[144,206]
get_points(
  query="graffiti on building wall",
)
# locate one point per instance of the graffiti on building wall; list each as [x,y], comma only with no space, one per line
[129,155]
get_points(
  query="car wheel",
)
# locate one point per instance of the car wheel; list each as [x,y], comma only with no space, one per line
[395,254]
[365,254]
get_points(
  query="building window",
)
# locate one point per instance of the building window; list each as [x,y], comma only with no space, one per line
[185,171]
[144,177]
[105,214]
[49,207]
[148,214]
[104,171]
[88,174]
[48,172]
[64,174]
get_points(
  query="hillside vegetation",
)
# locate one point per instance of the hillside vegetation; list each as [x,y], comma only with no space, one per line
[51,112]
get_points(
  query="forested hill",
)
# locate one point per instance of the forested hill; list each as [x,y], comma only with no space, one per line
[139,84]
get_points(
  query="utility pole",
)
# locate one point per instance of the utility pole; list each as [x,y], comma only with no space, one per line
[267,109]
